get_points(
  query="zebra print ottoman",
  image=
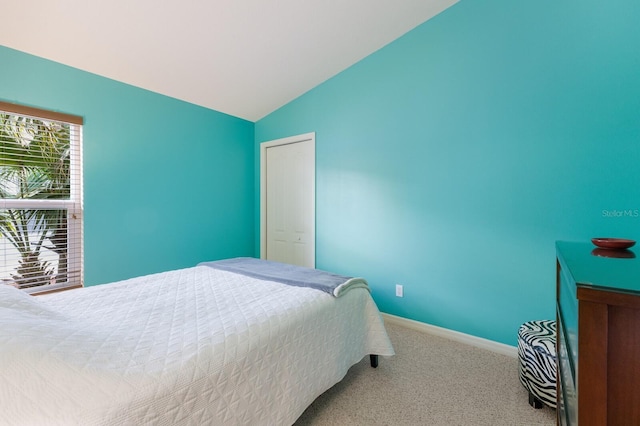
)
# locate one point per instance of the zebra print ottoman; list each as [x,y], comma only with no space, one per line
[537,361]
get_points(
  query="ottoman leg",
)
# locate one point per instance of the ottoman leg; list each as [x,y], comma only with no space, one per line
[534,402]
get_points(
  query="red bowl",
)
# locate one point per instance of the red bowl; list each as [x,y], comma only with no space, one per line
[613,243]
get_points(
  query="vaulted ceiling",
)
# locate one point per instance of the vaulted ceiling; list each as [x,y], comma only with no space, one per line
[242,57]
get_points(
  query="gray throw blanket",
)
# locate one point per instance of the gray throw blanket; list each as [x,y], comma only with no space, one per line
[293,275]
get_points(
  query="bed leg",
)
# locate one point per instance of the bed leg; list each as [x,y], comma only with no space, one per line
[374,360]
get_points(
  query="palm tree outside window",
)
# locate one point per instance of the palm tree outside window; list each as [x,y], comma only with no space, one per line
[40,199]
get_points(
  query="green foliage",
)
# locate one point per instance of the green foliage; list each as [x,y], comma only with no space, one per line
[35,164]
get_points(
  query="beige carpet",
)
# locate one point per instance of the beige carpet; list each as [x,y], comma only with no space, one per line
[430,381]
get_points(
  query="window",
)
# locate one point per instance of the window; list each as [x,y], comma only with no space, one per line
[40,199]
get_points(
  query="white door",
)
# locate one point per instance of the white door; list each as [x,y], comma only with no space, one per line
[288,200]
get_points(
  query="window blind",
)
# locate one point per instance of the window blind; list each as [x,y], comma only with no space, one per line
[41,237]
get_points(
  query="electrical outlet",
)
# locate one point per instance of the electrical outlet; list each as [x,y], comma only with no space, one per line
[399,290]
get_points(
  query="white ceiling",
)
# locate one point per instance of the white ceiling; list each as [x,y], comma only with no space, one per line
[242,57]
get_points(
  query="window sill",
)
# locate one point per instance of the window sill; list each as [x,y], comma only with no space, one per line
[55,290]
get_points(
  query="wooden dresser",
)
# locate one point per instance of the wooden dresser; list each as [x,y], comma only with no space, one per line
[598,344]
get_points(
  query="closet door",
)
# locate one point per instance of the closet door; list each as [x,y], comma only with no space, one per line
[288,200]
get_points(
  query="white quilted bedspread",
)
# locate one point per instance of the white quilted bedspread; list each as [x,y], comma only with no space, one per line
[194,346]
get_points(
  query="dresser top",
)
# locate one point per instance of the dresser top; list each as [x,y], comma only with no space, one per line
[591,267]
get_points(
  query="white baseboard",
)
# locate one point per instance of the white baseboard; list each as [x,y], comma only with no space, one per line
[468,339]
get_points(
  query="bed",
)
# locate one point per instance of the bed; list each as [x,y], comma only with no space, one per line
[200,345]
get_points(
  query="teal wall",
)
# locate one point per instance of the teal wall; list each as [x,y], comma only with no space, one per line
[157,171]
[452,159]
